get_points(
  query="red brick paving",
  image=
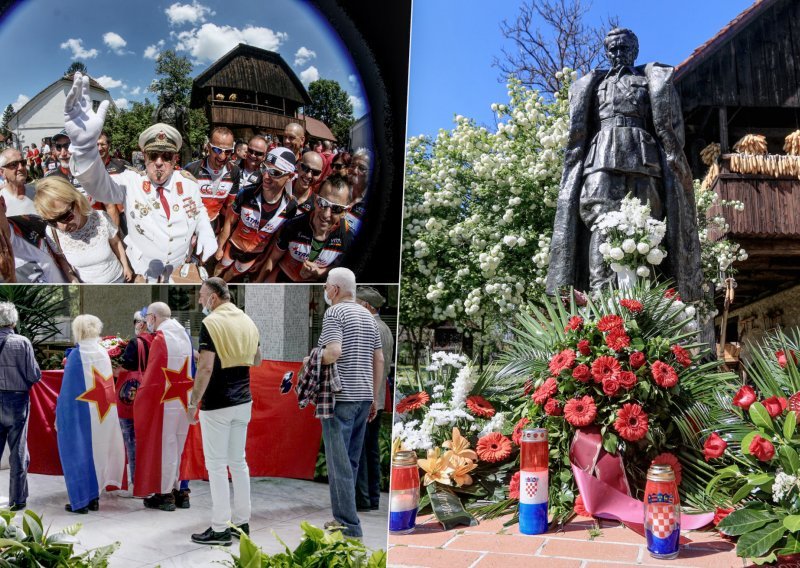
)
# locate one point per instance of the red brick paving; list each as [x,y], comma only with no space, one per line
[491,545]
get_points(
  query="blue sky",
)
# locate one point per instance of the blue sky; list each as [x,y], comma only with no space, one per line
[118,42]
[453,44]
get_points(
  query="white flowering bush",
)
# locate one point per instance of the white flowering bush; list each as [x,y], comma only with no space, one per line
[631,237]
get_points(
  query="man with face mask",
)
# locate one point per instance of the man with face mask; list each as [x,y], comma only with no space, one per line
[163,207]
[229,346]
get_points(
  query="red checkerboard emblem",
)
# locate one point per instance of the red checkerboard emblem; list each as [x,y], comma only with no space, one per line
[662,519]
[531,485]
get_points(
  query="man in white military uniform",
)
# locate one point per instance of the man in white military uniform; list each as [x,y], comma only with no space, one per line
[163,208]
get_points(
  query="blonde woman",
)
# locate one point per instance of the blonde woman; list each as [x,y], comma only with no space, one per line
[89,436]
[88,238]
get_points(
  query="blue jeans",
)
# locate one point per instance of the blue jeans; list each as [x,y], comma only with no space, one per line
[14,406]
[129,437]
[368,483]
[343,435]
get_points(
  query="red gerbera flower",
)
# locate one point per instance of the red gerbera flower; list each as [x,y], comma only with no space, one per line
[631,422]
[633,306]
[681,355]
[574,323]
[627,379]
[513,486]
[582,373]
[669,459]
[721,514]
[617,339]
[672,294]
[562,361]
[548,389]
[493,447]
[580,509]
[553,408]
[412,402]
[604,367]
[664,375]
[479,406]
[584,348]
[516,435]
[782,361]
[609,322]
[580,411]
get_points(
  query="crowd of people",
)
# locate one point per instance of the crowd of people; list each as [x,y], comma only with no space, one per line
[142,409]
[264,210]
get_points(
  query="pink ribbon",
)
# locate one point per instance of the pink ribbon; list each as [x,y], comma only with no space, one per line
[602,483]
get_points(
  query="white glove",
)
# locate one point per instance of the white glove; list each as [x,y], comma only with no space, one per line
[83,125]
[206,245]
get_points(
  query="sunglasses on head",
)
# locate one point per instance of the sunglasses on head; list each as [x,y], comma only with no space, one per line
[165,156]
[15,164]
[60,147]
[219,151]
[276,173]
[65,217]
[335,208]
[255,153]
[309,169]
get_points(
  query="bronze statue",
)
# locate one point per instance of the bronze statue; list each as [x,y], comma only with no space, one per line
[625,136]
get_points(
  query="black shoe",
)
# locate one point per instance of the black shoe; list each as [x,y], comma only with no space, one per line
[244,527]
[363,508]
[160,501]
[16,506]
[94,505]
[181,498]
[82,511]
[210,537]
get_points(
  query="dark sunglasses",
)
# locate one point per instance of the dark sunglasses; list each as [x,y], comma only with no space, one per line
[219,151]
[275,173]
[255,153]
[309,169]
[335,208]
[60,147]
[165,156]
[338,166]
[15,164]
[361,169]
[65,217]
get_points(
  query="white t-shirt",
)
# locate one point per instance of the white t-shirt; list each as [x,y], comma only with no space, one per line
[89,251]
[16,206]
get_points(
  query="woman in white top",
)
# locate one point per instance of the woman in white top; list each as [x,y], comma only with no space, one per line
[87,237]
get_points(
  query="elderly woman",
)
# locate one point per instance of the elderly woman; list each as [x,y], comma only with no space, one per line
[90,441]
[359,181]
[88,238]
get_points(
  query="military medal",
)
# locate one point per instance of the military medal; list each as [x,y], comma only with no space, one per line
[176,208]
[156,205]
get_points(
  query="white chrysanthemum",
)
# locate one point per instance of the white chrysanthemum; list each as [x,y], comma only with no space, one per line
[655,256]
[604,248]
[628,245]
[643,248]
[616,253]
[642,272]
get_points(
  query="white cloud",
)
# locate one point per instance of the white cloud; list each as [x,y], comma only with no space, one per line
[109,82]
[353,79]
[135,92]
[358,105]
[122,103]
[152,51]
[78,52]
[194,13]
[115,42]
[303,56]
[21,100]
[309,75]
[210,41]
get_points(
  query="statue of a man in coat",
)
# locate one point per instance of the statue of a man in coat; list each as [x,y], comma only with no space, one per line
[625,136]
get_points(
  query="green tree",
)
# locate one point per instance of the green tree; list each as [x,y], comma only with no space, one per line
[7,114]
[331,104]
[124,126]
[174,83]
[75,67]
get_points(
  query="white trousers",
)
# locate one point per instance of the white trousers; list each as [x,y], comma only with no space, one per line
[224,436]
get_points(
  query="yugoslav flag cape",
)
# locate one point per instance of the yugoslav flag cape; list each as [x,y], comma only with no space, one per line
[159,411]
[90,441]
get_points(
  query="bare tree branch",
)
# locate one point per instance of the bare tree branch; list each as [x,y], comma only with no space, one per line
[547,36]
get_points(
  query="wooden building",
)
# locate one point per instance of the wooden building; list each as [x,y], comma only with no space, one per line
[251,91]
[746,80]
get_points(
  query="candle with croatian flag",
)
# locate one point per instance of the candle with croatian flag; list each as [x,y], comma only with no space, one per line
[533,483]
[404,493]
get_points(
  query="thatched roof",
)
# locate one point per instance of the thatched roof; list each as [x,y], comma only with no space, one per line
[248,68]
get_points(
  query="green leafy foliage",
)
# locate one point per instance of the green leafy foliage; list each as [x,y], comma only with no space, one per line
[33,545]
[331,104]
[38,307]
[317,549]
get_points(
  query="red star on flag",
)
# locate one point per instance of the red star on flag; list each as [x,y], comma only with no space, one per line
[179,383]
[101,394]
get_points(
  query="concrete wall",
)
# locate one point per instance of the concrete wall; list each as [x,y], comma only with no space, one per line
[114,305]
[282,316]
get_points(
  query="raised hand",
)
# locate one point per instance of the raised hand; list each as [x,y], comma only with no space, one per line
[83,125]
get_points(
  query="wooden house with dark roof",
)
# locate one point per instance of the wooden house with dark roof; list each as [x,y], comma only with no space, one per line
[746,80]
[250,90]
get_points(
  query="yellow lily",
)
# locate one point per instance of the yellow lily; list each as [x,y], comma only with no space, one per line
[459,447]
[435,467]
[460,469]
